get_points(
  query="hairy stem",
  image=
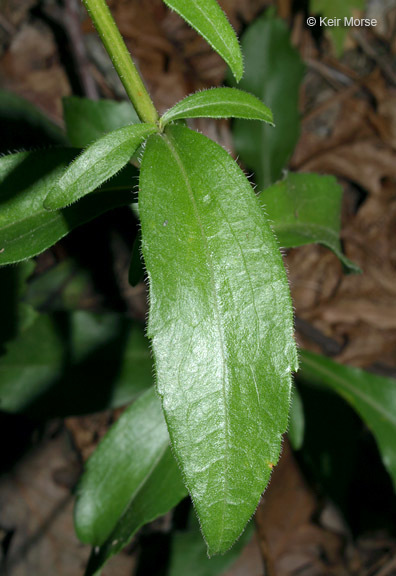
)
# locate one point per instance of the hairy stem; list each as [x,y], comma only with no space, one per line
[122,61]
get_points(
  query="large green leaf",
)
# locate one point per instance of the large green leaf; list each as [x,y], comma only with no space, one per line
[341,9]
[373,397]
[87,120]
[221,323]
[160,491]
[219,103]
[126,478]
[305,209]
[65,364]
[23,125]
[273,73]
[26,228]
[97,164]
[208,19]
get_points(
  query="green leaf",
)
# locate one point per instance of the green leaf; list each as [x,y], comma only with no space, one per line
[160,491]
[208,19]
[373,397]
[268,54]
[97,164]
[15,315]
[87,120]
[297,421]
[66,364]
[221,324]
[26,228]
[305,209]
[24,125]
[118,480]
[219,103]
[337,9]
[188,554]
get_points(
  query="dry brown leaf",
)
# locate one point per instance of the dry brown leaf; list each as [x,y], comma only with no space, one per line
[37,508]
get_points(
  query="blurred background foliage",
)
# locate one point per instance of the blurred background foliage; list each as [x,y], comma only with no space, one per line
[72,344]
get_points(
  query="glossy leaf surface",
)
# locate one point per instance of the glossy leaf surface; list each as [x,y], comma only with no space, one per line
[208,19]
[120,469]
[74,363]
[160,491]
[373,397]
[219,103]
[268,53]
[305,209]
[26,228]
[221,324]
[97,164]
[87,120]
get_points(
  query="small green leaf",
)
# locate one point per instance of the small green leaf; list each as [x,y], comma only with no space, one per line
[373,397]
[97,164]
[297,421]
[66,364]
[219,103]
[221,324]
[161,490]
[188,554]
[209,20]
[268,54]
[305,209]
[26,228]
[341,9]
[87,120]
[119,476]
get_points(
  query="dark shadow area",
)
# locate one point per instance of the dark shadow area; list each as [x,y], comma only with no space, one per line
[341,459]
[23,126]
[86,386]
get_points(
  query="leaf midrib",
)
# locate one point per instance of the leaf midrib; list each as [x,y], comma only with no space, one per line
[168,139]
[198,105]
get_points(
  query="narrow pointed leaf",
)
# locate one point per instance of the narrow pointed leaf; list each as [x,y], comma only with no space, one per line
[221,324]
[297,421]
[160,491]
[305,209]
[87,120]
[208,19]
[219,103]
[97,164]
[373,397]
[268,53]
[118,470]
[26,228]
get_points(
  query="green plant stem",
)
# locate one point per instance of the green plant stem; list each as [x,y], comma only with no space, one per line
[122,61]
